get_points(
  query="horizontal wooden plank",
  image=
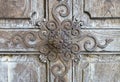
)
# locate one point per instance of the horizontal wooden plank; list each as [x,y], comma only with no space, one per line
[101,36]
[8,37]
[30,40]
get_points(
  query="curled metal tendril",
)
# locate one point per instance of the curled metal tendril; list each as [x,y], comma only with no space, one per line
[55,70]
[59,72]
[67,56]
[52,56]
[107,41]
[87,44]
[16,39]
[44,50]
[52,25]
[67,24]
[63,13]
[75,48]
[30,40]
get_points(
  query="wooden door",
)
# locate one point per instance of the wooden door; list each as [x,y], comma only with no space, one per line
[59,40]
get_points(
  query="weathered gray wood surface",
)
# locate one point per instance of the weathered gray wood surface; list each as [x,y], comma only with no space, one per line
[25,29]
[21,69]
[97,13]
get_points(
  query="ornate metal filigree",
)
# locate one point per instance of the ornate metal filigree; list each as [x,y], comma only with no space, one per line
[60,40]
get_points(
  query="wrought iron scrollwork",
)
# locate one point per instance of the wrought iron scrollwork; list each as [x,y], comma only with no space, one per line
[59,41]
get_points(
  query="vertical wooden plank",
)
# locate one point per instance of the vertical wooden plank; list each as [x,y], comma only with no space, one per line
[40,9]
[77,72]
[58,68]
[3,72]
[78,6]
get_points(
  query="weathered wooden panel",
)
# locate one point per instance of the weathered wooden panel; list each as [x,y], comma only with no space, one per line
[15,8]
[21,13]
[3,72]
[22,69]
[98,72]
[20,8]
[103,8]
[60,33]
[96,9]
[22,72]
[97,68]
